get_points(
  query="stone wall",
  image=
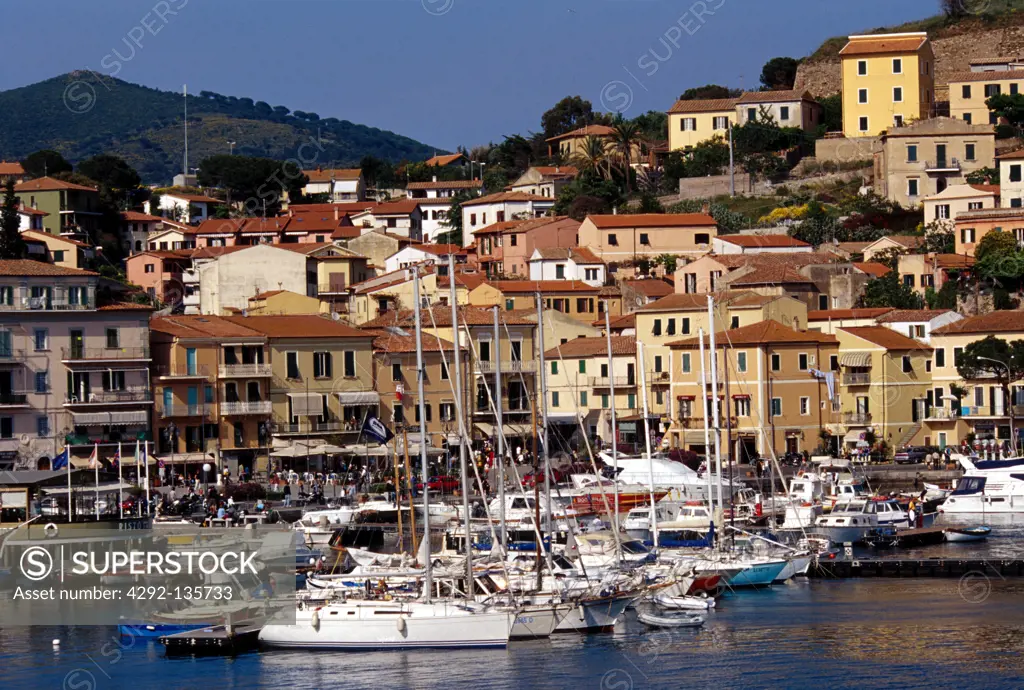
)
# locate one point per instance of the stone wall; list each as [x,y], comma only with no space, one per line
[846,149]
[716,185]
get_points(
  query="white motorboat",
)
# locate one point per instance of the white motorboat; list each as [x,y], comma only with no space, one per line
[668,474]
[849,522]
[638,521]
[677,619]
[667,601]
[598,553]
[988,486]
[380,625]
[965,534]
[691,515]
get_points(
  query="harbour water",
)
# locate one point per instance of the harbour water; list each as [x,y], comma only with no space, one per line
[805,634]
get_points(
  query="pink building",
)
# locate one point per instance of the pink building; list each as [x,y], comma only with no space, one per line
[159,273]
[505,248]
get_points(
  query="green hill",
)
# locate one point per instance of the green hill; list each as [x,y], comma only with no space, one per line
[82,114]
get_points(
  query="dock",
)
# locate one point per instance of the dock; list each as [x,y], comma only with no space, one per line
[844,568]
[217,640]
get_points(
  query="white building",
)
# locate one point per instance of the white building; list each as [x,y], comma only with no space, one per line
[233,277]
[498,208]
[943,208]
[30,219]
[918,323]
[339,184]
[544,180]
[402,218]
[1011,179]
[787,108]
[759,244]
[425,253]
[572,263]
[435,198]
[191,209]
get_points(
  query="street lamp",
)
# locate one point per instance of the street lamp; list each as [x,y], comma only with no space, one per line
[206,477]
[172,435]
[1006,401]
[231,150]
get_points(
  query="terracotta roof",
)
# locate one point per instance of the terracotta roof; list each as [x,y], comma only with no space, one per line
[953,261]
[872,268]
[48,236]
[990,214]
[470,281]
[442,249]
[27,267]
[346,232]
[201,327]
[588,131]
[556,170]
[651,220]
[49,184]
[714,105]
[651,288]
[297,326]
[618,323]
[393,342]
[1012,155]
[219,226]
[678,301]
[541,286]
[766,241]
[326,175]
[139,217]
[774,96]
[310,247]
[528,225]
[313,223]
[886,337]
[1002,75]
[29,211]
[11,168]
[770,275]
[124,306]
[768,332]
[264,226]
[506,196]
[912,315]
[590,347]
[215,252]
[906,241]
[853,247]
[193,198]
[441,161]
[446,184]
[396,208]
[984,324]
[829,314]
[342,208]
[993,60]
[441,315]
[265,295]
[882,44]
[580,255]
[990,188]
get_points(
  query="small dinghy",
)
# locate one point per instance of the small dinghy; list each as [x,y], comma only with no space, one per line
[671,619]
[959,534]
[666,601]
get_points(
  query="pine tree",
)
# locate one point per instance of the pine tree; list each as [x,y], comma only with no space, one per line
[12,246]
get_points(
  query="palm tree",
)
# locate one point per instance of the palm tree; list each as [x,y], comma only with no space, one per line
[625,135]
[593,156]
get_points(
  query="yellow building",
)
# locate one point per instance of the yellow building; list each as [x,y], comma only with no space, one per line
[885,380]
[774,400]
[693,122]
[583,302]
[284,302]
[968,92]
[888,80]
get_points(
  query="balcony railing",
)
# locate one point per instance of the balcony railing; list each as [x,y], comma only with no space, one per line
[857,379]
[132,395]
[190,277]
[42,304]
[231,370]
[328,427]
[332,287]
[184,410]
[940,413]
[12,399]
[129,435]
[984,411]
[659,377]
[857,418]
[515,405]
[103,353]
[9,355]
[942,164]
[515,366]
[256,407]
[183,371]
[618,381]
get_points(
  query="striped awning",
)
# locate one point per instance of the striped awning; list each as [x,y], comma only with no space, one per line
[307,404]
[856,359]
[116,418]
[359,398]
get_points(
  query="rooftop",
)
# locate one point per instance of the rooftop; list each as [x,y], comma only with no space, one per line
[886,337]
[590,347]
[394,342]
[829,314]
[763,241]
[441,315]
[580,255]
[443,160]
[768,332]
[991,75]
[501,197]
[769,275]
[872,268]
[652,220]
[542,286]
[714,105]
[650,288]
[297,326]
[881,44]
[446,184]
[985,324]
[201,327]
[588,131]
[901,315]
[29,268]
[49,184]
[781,96]
[326,175]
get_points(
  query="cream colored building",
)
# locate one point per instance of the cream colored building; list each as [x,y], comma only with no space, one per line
[1011,179]
[888,80]
[693,122]
[625,237]
[969,91]
[786,108]
[941,209]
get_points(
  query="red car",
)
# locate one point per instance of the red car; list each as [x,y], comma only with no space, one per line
[557,477]
[445,485]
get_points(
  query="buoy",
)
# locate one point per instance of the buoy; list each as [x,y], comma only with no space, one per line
[400,624]
[315,621]
[56,642]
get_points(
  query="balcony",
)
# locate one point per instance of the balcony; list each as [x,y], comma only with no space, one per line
[100,397]
[617,381]
[950,165]
[13,400]
[10,356]
[261,407]
[986,411]
[104,354]
[334,287]
[515,406]
[857,418]
[43,304]
[184,410]
[227,371]
[190,277]
[942,414]
[183,372]
[659,378]
[317,427]
[516,366]
[128,436]
[854,378]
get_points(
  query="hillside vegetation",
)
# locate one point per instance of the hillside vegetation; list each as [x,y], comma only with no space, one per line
[83,114]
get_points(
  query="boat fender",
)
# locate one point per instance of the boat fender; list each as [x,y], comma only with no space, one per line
[400,623]
[50,530]
[315,620]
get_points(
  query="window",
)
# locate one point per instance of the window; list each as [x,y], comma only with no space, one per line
[969,151]
[734,322]
[942,212]
[897,65]
[472,219]
[908,280]
[940,357]
[444,370]
[833,363]
[613,240]
[863,124]
[554,367]
[688,124]
[686,327]
[802,359]
[993,118]
[862,95]
[741,362]
[1016,203]
[42,426]
[776,407]
[671,329]
[350,364]
[604,371]
[510,304]
[908,364]
[42,381]
[912,187]
[397,413]
[58,256]
[322,365]
[659,397]
[554,399]
[992,90]
[150,268]
[776,362]
[583,398]
[1015,173]
[513,240]
[968,118]
[975,205]
[823,302]
[77,295]
[113,380]
[41,339]
[113,338]
[805,406]
[631,401]
[516,350]
[559,271]
[720,122]
[657,327]
[911,153]
[292,365]
[784,112]
[604,401]
[208,396]
[645,239]
[897,94]
[583,366]
[752,114]
[447,411]
[686,362]
[657,364]
[897,120]
[966,91]
[958,353]
[967,235]
[426,410]
[862,67]
[742,407]
[396,371]
[485,350]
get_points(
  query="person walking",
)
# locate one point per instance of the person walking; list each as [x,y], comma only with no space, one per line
[287,494]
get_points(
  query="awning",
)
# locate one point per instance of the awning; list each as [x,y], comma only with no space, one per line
[359,398]
[741,396]
[487,429]
[307,404]
[686,397]
[856,359]
[852,436]
[119,418]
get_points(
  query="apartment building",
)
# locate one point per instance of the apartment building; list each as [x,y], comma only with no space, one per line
[970,91]
[501,207]
[972,226]
[584,302]
[337,184]
[931,271]
[942,209]
[505,248]
[1011,178]
[773,390]
[694,122]
[544,180]
[567,263]
[785,108]
[624,238]
[830,320]
[888,81]
[71,209]
[918,323]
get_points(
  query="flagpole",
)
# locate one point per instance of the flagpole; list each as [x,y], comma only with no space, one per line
[120,491]
[67,462]
[145,449]
[96,475]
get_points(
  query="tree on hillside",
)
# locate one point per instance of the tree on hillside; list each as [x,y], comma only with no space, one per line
[889,291]
[45,162]
[118,181]
[998,257]
[709,92]
[572,112]
[818,226]
[779,73]
[257,183]
[453,220]
[12,246]
[653,125]
[588,194]
[626,136]
[1009,107]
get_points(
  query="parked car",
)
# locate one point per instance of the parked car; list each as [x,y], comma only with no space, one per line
[914,454]
[445,484]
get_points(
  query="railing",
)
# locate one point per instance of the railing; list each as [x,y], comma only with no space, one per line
[942,164]
[856,379]
[229,370]
[328,427]
[618,381]
[508,367]
[190,277]
[1018,411]
[183,371]
[102,353]
[184,410]
[659,377]
[857,418]
[943,413]
[257,407]
[127,437]
[13,399]
[983,411]
[334,287]
[11,355]
[516,405]
[42,304]
[139,395]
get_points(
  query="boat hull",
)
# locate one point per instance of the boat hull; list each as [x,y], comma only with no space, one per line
[155,630]
[538,621]
[758,574]
[599,615]
[968,534]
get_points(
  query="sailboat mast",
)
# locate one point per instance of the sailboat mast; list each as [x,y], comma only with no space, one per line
[184,93]
[647,440]
[544,418]
[611,393]
[713,361]
[428,584]
[463,436]
[707,418]
[500,428]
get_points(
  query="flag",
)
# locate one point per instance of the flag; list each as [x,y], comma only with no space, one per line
[116,462]
[94,459]
[62,460]
[375,429]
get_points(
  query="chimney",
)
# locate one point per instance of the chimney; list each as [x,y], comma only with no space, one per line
[336,217]
[435,178]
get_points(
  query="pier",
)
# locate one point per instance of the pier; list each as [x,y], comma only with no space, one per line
[845,568]
[217,640]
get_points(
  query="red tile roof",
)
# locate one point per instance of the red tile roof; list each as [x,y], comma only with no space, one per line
[29,211]
[342,208]
[828,314]
[984,324]
[591,347]
[872,268]
[139,217]
[42,236]
[201,327]
[768,332]
[990,188]
[652,220]
[588,131]
[557,170]
[713,105]
[769,275]
[11,168]
[446,184]
[899,315]
[618,323]
[763,241]
[441,315]
[882,44]
[49,184]
[581,255]
[297,326]
[650,288]
[442,249]
[470,281]
[219,226]
[542,286]
[393,342]
[397,208]
[502,197]
[27,267]
[991,75]
[313,223]
[263,226]
[322,175]
[124,306]
[886,337]
[441,161]
[678,301]
[774,97]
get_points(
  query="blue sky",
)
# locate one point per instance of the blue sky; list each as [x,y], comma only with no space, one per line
[446,72]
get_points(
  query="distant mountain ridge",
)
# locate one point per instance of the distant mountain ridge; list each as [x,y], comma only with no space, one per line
[82,114]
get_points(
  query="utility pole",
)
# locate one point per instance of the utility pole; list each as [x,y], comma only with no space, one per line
[463,436]
[732,166]
[499,426]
